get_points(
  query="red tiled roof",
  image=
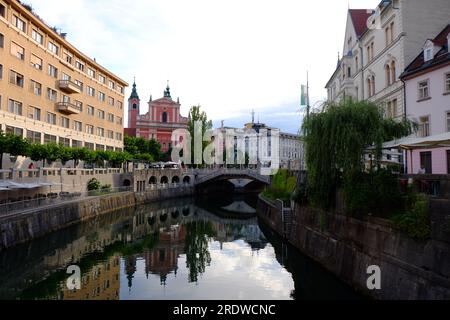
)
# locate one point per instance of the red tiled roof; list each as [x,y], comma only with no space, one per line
[442,56]
[359,19]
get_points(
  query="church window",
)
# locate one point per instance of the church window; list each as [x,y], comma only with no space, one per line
[164,117]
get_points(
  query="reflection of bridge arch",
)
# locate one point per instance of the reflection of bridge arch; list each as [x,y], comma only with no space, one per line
[164,180]
[187,180]
[176,179]
[206,177]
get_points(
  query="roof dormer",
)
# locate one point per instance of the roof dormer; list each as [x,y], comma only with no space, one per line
[430,50]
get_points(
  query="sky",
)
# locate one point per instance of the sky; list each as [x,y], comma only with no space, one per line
[230,57]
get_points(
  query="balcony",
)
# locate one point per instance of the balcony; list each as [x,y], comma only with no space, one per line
[69,86]
[68,108]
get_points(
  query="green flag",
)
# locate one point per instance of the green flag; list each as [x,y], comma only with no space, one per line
[303,97]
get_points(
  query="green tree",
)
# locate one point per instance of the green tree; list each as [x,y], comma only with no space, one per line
[336,142]
[65,154]
[12,144]
[137,147]
[196,115]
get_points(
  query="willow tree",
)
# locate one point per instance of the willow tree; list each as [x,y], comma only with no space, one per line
[336,141]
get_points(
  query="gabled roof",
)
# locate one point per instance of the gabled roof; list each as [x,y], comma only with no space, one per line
[442,56]
[359,19]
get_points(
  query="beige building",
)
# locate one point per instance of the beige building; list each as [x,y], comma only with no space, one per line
[52,92]
[374,57]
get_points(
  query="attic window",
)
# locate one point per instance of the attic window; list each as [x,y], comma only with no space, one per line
[428,54]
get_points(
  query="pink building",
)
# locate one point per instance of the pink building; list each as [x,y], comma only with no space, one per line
[427,87]
[163,117]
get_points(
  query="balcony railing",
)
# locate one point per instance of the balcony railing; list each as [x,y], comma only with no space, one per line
[68,108]
[69,86]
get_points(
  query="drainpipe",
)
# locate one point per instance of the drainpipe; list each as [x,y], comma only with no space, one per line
[405,118]
[361,49]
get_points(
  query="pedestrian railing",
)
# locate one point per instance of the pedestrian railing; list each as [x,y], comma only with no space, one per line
[52,199]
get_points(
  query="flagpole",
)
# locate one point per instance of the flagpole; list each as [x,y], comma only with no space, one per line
[307,94]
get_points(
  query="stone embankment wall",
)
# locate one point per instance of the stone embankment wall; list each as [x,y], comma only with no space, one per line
[24,227]
[347,247]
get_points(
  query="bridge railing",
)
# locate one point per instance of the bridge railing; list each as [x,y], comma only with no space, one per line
[208,174]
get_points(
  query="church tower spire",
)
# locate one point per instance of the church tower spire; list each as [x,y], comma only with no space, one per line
[167,91]
[133,107]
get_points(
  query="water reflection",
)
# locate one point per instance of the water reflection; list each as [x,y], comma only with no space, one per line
[169,250]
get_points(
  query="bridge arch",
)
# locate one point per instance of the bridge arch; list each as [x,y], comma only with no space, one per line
[163,217]
[126,183]
[164,180]
[176,179]
[187,180]
[152,180]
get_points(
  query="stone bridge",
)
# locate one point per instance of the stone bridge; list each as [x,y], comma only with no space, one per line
[207,176]
[150,179]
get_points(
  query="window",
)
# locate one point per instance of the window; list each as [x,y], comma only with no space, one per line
[91,73]
[393,72]
[90,110]
[79,105]
[17,51]
[426,162]
[119,105]
[52,71]
[388,75]
[36,62]
[79,65]
[34,137]
[51,118]
[80,84]
[1,71]
[48,138]
[64,142]
[424,91]
[89,146]
[100,132]
[101,78]
[110,117]
[111,101]
[16,78]
[118,136]
[387,32]
[19,23]
[2,10]
[77,126]
[101,96]
[89,129]
[357,63]
[424,126]
[38,37]
[447,83]
[65,122]
[349,72]
[91,91]
[120,89]
[448,161]
[111,85]
[77,144]
[99,147]
[164,117]
[53,48]
[14,131]
[392,31]
[428,54]
[52,95]
[119,120]
[68,57]
[15,107]
[2,40]
[101,114]
[34,113]
[110,134]
[448,121]
[36,87]
[65,98]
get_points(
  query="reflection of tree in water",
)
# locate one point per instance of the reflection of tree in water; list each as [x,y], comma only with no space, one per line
[196,247]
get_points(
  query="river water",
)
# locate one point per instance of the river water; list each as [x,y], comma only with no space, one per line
[212,248]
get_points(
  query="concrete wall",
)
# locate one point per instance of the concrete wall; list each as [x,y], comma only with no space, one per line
[346,247]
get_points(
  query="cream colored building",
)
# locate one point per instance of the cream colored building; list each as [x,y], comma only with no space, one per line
[374,57]
[52,92]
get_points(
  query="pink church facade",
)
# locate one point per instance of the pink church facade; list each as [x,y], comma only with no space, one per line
[163,117]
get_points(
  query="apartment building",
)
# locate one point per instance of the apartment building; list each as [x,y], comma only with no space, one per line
[378,46]
[52,92]
[427,85]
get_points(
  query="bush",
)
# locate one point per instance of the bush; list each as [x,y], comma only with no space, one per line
[416,221]
[93,185]
[282,186]
[106,188]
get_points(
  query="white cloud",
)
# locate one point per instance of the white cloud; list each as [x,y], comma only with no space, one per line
[230,56]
